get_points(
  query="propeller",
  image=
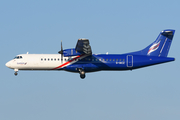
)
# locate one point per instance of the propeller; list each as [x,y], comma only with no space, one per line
[61,52]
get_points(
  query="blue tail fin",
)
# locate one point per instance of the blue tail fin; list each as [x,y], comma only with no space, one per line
[160,47]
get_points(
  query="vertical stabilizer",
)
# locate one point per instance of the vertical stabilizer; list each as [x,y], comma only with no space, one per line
[160,47]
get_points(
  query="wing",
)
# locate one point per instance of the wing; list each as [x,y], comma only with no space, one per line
[83,46]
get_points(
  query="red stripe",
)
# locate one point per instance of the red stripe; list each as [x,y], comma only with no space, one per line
[154,47]
[68,62]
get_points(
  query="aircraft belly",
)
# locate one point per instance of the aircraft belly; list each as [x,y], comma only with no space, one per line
[87,67]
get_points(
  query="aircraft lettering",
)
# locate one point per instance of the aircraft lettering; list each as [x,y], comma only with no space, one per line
[120,62]
[21,63]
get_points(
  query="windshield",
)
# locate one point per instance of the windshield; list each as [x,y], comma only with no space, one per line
[18,57]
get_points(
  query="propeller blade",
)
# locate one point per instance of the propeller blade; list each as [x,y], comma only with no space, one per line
[61,52]
[61,46]
[61,58]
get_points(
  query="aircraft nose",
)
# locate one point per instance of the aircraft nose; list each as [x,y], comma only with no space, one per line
[8,65]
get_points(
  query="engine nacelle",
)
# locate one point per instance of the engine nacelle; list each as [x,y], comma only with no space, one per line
[70,52]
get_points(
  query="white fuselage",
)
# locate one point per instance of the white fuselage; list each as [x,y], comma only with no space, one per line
[38,61]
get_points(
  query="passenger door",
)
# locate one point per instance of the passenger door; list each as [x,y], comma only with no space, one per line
[129,61]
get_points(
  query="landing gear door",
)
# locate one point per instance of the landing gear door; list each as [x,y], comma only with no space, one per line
[129,61]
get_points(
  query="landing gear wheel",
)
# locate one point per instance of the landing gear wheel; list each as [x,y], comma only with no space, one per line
[82,76]
[15,73]
[82,73]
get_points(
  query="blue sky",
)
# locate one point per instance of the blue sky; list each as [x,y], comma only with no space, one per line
[38,26]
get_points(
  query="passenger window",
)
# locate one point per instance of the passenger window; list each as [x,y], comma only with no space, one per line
[113,59]
[41,59]
[110,60]
[106,59]
[51,59]
[48,59]
[116,59]
[123,59]
[58,59]
[44,59]
[55,59]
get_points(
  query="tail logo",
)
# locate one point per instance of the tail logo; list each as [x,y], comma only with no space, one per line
[153,48]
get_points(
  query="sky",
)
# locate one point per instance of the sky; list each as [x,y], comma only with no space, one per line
[113,26]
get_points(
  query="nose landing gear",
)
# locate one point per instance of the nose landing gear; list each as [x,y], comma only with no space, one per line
[16,72]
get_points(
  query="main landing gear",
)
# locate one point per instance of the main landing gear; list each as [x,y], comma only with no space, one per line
[16,72]
[82,73]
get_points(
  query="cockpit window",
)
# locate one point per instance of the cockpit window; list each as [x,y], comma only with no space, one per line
[18,57]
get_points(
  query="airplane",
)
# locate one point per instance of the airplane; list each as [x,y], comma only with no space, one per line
[81,60]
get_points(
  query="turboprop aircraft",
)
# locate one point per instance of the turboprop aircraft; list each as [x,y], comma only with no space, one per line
[81,60]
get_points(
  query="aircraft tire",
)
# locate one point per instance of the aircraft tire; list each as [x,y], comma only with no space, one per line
[15,73]
[82,76]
